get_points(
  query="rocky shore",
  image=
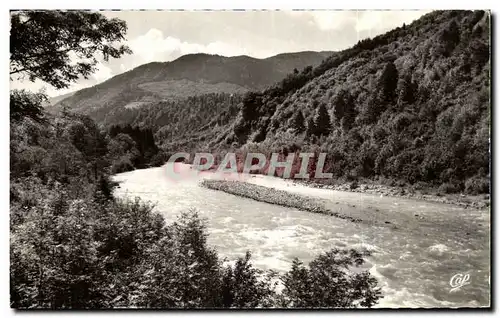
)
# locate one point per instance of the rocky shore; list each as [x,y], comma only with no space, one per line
[273,196]
[466,201]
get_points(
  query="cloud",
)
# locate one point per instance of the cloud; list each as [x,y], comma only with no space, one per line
[102,73]
[154,46]
[331,20]
[384,20]
[39,86]
[360,20]
[150,47]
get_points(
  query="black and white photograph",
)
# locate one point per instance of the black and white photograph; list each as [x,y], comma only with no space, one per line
[250,159]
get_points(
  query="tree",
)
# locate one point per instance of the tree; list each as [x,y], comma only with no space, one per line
[322,121]
[388,83]
[450,37]
[311,127]
[307,70]
[344,109]
[42,44]
[25,104]
[122,144]
[144,146]
[406,90]
[250,106]
[242,288]
[298,122]
[328,283]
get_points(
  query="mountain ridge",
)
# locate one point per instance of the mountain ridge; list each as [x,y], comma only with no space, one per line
[216,73]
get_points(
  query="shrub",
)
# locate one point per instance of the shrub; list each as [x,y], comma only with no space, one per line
[449,188]
[420,185]
[353,185]
[244,286]
[123,164]
[477,185]
[329,283]
[107,254]
[159,159]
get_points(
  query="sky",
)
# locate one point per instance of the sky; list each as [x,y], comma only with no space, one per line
[163,36]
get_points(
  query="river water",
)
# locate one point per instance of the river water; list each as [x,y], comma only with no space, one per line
[417,246]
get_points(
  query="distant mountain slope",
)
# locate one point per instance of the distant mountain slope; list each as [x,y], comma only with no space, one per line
[193,74]
[54,100]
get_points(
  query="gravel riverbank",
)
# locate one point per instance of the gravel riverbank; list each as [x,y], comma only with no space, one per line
[466,201]
[273,196]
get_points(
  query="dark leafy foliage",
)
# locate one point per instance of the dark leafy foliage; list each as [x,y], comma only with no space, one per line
[26,104]
[322,122]
[344,110]
[298,123]
[41,43]
[179,124]
[93,254]
[328,282]
[59,149]
[136,144]
[387,83]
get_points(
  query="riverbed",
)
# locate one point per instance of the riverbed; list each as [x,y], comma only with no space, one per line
[417,246]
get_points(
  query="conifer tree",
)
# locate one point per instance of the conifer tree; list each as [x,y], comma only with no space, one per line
[388,83]
[298,122]
[322,121]
[311,127]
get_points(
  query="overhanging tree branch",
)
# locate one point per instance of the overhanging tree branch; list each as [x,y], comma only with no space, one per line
[40,48]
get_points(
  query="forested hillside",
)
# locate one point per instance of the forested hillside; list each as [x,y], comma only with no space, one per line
[411,105]
[182,124]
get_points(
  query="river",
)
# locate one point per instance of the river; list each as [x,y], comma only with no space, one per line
[417,246]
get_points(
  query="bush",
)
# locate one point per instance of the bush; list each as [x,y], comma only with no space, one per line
[477,185]
[329,283]
[159,159]
[122,165]
[244,286]
[421,186]
[96,254]
[353,185]
[69,253]
[448,188]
